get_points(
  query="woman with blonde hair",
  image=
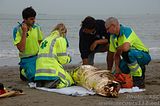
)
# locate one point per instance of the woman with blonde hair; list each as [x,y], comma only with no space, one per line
[52,55]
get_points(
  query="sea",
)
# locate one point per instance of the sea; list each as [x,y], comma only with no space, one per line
[146,26]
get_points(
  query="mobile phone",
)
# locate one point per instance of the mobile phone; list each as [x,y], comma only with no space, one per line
[19,23]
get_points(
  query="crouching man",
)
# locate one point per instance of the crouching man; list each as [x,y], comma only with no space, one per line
[130,54]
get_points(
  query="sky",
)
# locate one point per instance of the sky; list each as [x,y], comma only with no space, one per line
[64,7]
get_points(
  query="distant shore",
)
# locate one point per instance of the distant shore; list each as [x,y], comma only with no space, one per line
[9,76]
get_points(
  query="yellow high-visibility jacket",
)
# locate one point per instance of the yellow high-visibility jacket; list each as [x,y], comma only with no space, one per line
[52,55]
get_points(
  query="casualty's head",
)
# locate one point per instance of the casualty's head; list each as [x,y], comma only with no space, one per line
[89,25]
[112,25]
[61,29]
[29,15]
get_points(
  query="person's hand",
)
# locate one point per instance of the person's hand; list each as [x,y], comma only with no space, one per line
[93,46]
[24,28]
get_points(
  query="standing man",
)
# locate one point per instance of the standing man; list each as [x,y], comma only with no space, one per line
[93,38]
[126,44]
[27,37]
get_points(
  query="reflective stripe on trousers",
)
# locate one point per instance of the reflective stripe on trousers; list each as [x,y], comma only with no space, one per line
[135,69]
[50,71]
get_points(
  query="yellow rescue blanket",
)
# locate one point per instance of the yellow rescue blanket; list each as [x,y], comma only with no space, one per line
[100,81]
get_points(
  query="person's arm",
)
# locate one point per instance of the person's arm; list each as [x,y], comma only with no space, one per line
[85,61]
[84,47]
[21,45]
[117,61]
[97,42]
[110,60]
[123,48]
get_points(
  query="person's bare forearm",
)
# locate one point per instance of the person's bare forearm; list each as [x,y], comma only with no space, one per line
[102,41]
[22,44]
[117,60]
[85,61]
[97,42]
[110,60]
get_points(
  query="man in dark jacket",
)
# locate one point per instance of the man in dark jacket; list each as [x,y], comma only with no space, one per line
[93,38]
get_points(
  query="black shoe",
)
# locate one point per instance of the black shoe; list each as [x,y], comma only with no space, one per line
[39,83]
[52,84]
[143,71]
[47,84]
[139,82]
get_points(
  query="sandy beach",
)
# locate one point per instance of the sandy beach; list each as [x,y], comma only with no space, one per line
[9,76]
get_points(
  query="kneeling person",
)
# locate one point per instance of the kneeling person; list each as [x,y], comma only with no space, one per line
[93,39]
[52,55]
[26,37]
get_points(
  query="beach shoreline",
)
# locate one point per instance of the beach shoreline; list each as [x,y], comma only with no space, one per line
[9,76]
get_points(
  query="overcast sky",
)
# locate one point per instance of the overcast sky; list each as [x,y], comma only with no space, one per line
[82,6]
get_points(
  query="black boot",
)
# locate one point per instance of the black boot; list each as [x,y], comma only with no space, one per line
[138,81]
[143,71]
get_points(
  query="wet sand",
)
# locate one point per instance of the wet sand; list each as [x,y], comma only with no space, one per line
[9,76]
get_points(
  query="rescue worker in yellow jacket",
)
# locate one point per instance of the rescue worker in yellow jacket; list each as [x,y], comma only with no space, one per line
[26,37]
[128,51]
[52,55]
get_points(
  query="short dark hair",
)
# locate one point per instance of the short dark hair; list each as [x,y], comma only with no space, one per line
[89,23]
[28,12]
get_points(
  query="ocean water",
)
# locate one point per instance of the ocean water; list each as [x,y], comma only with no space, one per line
[146,26]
